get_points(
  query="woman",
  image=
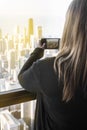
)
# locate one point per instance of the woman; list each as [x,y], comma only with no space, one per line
[60,83]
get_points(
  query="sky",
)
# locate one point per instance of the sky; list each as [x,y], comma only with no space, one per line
[34,7]
[45,12]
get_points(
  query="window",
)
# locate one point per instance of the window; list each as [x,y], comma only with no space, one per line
[22,24]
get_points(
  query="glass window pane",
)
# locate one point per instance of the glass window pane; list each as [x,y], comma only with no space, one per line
[18,117]
[22,24]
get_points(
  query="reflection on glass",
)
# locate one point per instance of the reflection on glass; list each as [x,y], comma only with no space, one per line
[14,51]
[18,117]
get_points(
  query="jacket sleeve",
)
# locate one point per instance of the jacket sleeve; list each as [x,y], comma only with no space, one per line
[29,75]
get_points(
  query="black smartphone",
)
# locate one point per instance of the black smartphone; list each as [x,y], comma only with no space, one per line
[50,43]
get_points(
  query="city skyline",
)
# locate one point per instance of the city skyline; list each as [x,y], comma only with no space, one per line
[52,25]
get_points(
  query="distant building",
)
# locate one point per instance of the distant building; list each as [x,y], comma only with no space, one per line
[25,37]
[39,32]
[0,34]
[30,28]
[18,30]
[12,59]
[3,46]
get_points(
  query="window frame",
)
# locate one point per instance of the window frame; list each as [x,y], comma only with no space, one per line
[15,96]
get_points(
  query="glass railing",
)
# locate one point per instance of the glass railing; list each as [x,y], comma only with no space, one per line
[18,117]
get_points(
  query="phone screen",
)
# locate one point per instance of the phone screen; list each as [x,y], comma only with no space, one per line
[50,43]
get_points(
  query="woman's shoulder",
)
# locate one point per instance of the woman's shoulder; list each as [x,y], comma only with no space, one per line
[47,60]
[46,65]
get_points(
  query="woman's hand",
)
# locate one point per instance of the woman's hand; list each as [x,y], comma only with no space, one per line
[42,46]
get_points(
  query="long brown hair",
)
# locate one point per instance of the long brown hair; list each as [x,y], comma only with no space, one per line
[71,61]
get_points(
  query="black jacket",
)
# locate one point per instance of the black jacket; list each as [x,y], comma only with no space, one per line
[38,76]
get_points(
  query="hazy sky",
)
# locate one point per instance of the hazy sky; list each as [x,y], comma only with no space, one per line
[49,13]
[36,7]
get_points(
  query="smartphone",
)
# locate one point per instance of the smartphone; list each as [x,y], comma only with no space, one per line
[50,43]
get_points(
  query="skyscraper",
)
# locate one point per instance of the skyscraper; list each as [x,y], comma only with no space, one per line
[3,46]
[17,29]
[25,37]
[11,59]
[39,32]
[0,34]
[30,28]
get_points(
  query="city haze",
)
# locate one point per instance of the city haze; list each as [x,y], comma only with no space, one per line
[49,14]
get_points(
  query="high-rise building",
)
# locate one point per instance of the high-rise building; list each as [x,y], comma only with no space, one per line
[10,44]
[0,34]
[30,28]
[32,42]
[3,46]
[11,60]
[25,37]
[18,29]
[24,52]
[39,32]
